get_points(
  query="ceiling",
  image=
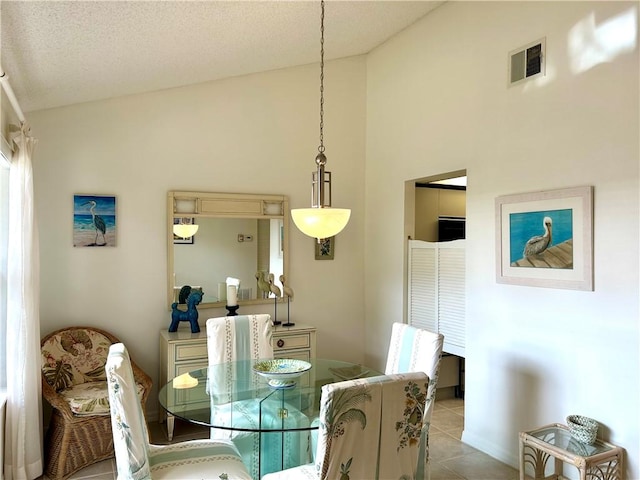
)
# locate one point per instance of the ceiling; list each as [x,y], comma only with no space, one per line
[58,53]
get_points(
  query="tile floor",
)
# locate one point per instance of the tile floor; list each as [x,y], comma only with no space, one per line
[450,458]
[453,460]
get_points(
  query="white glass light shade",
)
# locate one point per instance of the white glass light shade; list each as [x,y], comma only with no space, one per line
[184,230]
[320,222]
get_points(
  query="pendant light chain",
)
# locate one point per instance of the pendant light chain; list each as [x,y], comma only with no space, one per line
[321,220]
[321,147]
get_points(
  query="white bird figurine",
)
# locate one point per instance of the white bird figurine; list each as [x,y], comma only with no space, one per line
[539,243]
[288,292]
[263,285]
[273,287]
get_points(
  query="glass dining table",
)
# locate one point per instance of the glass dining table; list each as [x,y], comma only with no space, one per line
[233,397]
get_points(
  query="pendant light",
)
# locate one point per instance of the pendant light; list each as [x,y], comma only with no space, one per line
[185,228]
[321,221]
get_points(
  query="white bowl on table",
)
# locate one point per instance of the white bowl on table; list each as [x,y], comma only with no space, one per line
[281,372]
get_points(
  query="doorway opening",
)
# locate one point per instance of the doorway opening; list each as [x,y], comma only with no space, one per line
[435,214]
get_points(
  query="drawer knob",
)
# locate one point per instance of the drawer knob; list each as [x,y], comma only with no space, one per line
[280,343]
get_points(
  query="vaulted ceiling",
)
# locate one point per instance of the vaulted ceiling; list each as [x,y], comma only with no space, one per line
[58,53]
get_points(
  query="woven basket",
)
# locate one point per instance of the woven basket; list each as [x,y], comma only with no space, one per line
[583,429]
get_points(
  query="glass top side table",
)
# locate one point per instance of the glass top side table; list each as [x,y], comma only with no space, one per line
[602,460]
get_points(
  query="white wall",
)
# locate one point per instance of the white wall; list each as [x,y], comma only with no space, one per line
[437,101]
[253,134]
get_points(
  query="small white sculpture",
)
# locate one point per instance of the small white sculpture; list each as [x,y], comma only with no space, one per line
[276,291]
[273,287]
[288,292]
[263,285]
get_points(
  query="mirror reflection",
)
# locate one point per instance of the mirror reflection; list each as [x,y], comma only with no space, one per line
[248,249]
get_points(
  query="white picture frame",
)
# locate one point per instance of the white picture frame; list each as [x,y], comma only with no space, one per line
[567,260]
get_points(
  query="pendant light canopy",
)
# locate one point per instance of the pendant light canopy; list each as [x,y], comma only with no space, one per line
[321,220]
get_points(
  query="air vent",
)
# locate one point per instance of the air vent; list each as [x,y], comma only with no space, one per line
[527,62]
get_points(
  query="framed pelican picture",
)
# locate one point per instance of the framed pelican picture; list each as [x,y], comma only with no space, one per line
[94,221]
[545,239]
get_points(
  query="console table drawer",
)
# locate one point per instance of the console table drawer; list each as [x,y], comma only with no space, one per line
[291,342]
[191,351]
[298,342]
[183,368]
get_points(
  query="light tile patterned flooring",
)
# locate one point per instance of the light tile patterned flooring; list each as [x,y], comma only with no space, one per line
[450,458]
[453,460]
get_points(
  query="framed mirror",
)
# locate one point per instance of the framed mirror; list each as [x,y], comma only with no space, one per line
[242,236]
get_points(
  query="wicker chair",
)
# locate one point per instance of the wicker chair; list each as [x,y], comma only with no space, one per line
[74,383]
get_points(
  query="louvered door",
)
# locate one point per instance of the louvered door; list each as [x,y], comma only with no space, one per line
[437,290]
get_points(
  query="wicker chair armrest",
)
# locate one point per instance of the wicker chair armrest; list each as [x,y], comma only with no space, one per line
[143,379]
[56,400]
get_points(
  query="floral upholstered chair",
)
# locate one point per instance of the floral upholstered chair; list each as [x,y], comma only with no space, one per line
[74,383]
[369,429]
[249,337]
[417,350]
[137,459]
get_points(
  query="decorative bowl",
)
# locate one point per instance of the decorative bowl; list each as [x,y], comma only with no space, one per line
[582,429]
[281,372]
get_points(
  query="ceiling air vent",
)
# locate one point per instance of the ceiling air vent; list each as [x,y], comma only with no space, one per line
[527,62]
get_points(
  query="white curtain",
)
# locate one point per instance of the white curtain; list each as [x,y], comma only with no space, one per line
[23,427]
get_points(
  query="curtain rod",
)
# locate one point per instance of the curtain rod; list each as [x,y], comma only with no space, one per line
[4,80]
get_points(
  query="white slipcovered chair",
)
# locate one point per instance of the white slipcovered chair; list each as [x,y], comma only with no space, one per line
[369,429]
[249,337]
[416,350]
[137,459]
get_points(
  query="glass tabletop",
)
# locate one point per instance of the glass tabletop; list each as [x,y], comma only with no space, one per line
[559,436]
[234,396]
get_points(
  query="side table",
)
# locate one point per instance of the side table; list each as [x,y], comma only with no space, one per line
[602,460]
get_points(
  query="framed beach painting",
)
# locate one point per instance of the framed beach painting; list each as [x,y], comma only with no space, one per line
[94,221]
[545,239]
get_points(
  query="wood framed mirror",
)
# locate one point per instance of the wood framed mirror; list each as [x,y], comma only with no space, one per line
[244,236]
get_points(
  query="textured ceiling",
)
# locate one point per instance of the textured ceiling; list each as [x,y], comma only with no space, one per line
[64,52]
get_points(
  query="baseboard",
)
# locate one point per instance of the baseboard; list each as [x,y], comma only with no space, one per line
[482,443]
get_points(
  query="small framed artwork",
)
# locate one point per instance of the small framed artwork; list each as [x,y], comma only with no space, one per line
[325,248]
[545,239]
[177,239]
[94,221]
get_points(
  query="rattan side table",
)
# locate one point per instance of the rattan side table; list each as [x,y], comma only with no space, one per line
[602,460]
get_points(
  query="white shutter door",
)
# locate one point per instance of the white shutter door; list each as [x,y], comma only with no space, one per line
[451,298]
[422,286]
[436,290]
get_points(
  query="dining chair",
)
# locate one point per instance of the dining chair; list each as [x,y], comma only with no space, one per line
[75,385]
[136,458]
[414,349]
[369,429]
[249,337]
